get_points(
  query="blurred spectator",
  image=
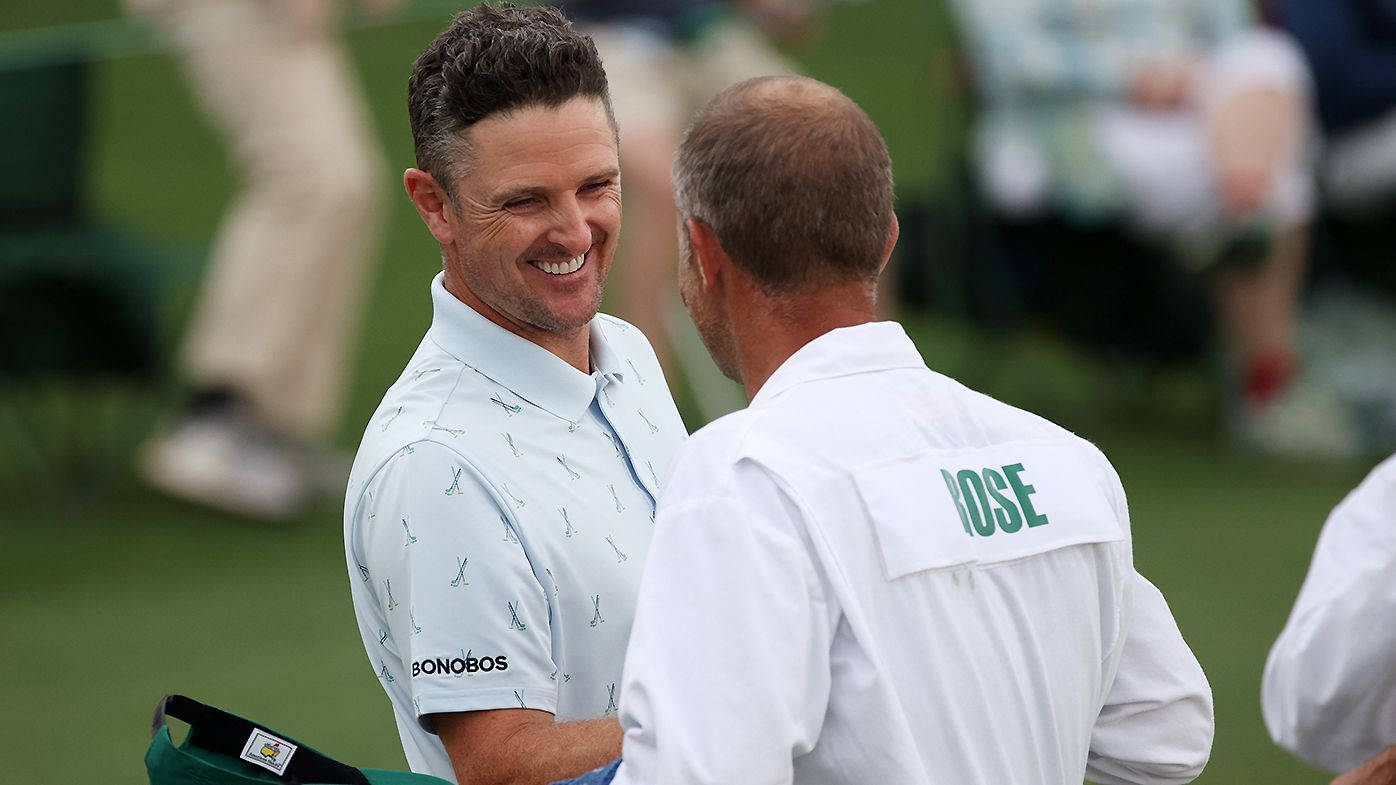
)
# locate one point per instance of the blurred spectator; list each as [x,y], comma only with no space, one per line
[269,343]
[1351,48]
[1187,122]
[665,59]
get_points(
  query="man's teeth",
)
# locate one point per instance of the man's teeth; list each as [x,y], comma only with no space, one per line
[561,268]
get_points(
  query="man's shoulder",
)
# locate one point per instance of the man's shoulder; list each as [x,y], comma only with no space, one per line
[1002,421]
[843,423]
[949,413]
[422,416]
[1002,424]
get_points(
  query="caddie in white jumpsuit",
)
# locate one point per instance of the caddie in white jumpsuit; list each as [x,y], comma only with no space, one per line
[874,574]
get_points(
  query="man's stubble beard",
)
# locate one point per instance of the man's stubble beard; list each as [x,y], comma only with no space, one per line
[529,311]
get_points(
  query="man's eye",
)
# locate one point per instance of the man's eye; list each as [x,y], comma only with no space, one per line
[515,204]
[597,186]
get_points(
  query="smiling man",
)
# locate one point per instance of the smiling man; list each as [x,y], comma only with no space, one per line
[502,500]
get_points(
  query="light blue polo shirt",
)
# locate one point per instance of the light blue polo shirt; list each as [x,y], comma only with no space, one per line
[498,516]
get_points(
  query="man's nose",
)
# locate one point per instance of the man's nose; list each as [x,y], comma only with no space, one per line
[570,229]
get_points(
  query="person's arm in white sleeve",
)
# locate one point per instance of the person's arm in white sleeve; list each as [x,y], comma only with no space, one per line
[1156,725]
[1329,689]
[458,588]
[727,673]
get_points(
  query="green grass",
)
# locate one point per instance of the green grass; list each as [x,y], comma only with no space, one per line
[111,596]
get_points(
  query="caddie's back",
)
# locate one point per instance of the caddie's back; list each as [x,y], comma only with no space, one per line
[981,612]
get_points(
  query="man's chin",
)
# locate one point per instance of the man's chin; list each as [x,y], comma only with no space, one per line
[723,355]
[565,321]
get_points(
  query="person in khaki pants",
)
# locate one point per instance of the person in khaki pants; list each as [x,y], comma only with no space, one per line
[664,60]
[268,343]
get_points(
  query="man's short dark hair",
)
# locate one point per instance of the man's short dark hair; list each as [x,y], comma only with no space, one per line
[491,59]
[793,178]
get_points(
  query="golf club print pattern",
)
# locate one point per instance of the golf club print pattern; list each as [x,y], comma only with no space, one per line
[454,433]
[522,524]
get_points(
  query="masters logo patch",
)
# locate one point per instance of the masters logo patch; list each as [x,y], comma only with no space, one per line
[270,752]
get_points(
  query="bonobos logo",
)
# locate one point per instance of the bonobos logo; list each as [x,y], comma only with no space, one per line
[443,666]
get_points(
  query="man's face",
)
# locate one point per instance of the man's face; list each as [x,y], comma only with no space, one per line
[539,216]
[707,315]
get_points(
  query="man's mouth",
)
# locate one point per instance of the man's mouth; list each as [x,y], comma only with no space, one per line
[560,268]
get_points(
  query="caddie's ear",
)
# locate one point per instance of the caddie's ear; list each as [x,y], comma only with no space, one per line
[893,232]
[708,254]
[432,203]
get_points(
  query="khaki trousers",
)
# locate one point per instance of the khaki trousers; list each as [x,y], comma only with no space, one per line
[278,314]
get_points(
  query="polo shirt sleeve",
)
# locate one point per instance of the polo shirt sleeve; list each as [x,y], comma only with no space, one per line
[727,675]
[467,615]
[1329,689]
[1156,724]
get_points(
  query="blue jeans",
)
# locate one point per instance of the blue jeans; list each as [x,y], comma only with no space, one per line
[601,776]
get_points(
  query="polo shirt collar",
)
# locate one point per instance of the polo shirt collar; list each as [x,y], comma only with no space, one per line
[862,348]
[525,368]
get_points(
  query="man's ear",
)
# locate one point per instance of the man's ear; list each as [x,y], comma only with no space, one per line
[893,232]
[707,253]
[432,204]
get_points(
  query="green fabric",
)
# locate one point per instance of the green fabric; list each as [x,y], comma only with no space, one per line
[384,777]
[187,764]
[695,25]
[77,301]
[43,126]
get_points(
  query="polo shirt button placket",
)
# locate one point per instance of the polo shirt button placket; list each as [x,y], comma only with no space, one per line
[607,406]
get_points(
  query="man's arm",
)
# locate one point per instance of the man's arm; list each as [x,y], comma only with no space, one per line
[524,746]
[1156,725]
[1329,689]
[456,585]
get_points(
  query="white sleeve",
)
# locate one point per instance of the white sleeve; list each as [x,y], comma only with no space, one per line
[1156,723]
[1329,689]
[467,616]
[727,672]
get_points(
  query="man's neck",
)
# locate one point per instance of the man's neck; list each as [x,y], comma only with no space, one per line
[573,348]
[769,332]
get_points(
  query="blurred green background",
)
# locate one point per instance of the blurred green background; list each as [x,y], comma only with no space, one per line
[111,596]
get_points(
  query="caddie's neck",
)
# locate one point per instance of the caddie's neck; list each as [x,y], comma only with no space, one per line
[767,330]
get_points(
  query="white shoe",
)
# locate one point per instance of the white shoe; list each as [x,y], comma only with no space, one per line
[227,463]
[1306,420]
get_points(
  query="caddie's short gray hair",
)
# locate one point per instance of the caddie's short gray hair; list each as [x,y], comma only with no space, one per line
[793,178]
